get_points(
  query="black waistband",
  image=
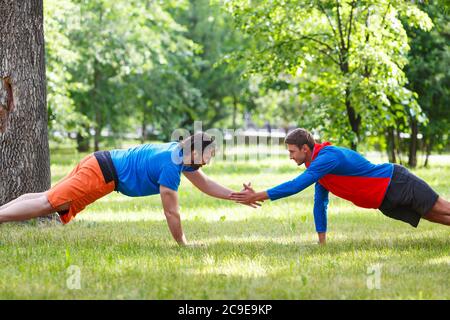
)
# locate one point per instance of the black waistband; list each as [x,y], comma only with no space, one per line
[107,167]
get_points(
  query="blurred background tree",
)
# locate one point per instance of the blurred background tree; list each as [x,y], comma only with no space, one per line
[367,74]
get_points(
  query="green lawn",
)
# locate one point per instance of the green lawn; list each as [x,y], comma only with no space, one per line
[123,248]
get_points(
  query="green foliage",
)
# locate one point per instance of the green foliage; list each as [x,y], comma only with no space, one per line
[223,91]
[147,64]
[336,67]
[60,55]
[123,44]
[348,58]
[429,76]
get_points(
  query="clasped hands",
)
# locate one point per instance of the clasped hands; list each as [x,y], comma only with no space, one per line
[246,196]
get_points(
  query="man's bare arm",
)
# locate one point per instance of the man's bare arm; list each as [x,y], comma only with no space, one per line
[249,196]
[169,199]
[210,187]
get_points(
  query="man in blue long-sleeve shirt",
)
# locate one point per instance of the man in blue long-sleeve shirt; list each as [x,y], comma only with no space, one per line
[388,187]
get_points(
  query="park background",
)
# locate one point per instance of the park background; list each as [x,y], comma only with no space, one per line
[79,76]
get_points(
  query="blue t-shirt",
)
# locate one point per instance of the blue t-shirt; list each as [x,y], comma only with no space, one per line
[142,169]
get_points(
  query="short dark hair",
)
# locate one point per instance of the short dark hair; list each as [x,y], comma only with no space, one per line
[196,140]
[299,137]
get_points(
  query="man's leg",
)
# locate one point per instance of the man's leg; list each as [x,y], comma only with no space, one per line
[440,212]
[29,209]
[23,197]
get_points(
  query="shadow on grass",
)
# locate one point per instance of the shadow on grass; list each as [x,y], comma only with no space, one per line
[262,236]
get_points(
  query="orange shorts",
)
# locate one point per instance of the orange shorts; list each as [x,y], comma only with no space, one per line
[84,185]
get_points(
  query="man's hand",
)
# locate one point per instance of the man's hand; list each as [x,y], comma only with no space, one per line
[182,242]
[249,197]
[247,188]
[322,238]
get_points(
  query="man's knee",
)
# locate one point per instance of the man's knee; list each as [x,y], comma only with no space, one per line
[441,206]
[44,204]
[431,215]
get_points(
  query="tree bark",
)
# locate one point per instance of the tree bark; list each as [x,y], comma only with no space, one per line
[24,156]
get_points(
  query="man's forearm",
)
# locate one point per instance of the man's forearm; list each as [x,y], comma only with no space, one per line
[260,196]
[216,190]
[174,223]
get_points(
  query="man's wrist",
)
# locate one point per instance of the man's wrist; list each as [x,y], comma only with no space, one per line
[182,241]
[322,237]
[261,196]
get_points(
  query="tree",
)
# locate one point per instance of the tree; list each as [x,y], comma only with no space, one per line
[24,156]
[221,84]
[429,77]
[61,18]
[119,41]
[349,55]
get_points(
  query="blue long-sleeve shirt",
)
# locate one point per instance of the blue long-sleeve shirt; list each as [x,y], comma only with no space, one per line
[345,173]
[320,207]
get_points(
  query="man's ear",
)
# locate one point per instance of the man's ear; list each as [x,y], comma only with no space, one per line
[305,148]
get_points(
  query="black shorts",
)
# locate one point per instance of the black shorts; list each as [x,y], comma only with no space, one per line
[408,197]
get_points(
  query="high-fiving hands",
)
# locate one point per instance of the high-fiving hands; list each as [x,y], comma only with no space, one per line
[247,196]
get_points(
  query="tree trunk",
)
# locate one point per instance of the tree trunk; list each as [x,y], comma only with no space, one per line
[24,156]
[97,129]
[355,122]
[82,143]
[412,157]
[353,118]
[235,103]
[391,145]
[144,128]
[96,104]
[398,146]
[428,147]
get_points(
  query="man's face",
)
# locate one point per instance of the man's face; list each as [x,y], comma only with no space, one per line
[199,160]
[297,154]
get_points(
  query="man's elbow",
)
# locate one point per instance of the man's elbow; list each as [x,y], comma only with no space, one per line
[171,214]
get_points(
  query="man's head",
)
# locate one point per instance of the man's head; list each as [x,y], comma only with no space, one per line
[300,144]
[198,150]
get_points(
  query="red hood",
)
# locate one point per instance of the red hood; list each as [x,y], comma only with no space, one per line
[316,150]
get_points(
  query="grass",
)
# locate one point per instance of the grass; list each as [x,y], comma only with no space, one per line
[123,250]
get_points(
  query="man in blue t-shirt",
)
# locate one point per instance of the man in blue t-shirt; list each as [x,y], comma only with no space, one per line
[144,170]
[391,188]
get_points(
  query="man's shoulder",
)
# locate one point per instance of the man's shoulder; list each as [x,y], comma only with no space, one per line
[160,150]
[331,151]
